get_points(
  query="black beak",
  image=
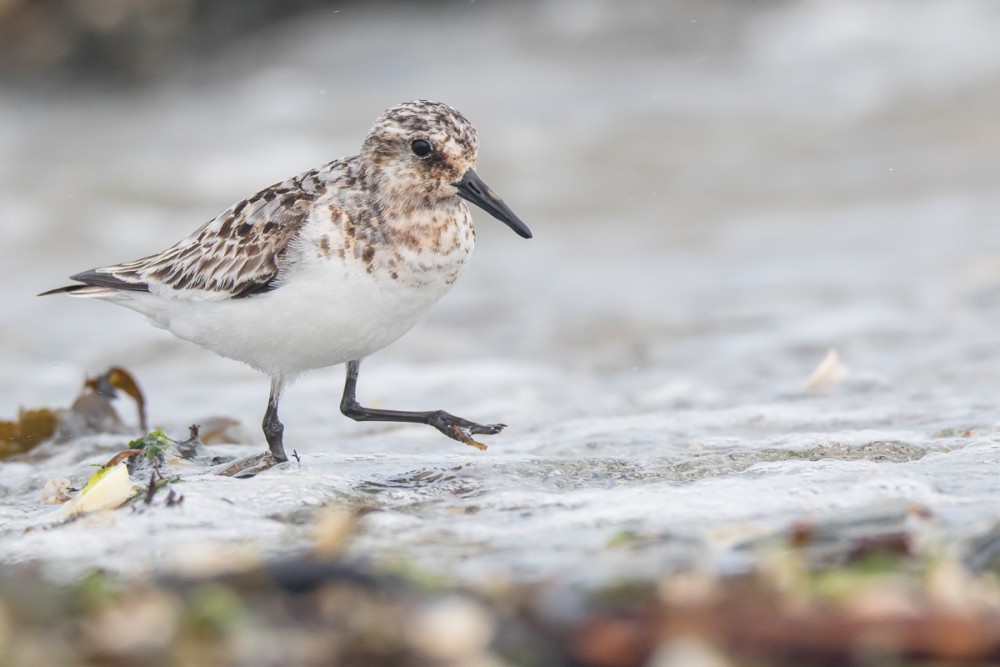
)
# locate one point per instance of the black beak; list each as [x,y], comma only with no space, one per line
[471,188]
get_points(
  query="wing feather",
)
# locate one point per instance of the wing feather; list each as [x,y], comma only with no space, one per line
[235,255]
[239,253]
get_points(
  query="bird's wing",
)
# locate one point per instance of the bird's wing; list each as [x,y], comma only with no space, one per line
[236,255]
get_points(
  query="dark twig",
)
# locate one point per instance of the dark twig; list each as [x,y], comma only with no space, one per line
[154,478]
[174,499]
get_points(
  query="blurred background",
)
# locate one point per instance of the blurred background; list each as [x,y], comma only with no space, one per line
[720,192]
[681,162]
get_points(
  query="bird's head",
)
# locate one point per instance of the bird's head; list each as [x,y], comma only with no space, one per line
[421,154]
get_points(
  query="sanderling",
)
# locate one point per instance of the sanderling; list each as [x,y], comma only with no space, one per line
[326,267]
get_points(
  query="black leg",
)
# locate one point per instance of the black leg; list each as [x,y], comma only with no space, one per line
[273,429]
[454,427]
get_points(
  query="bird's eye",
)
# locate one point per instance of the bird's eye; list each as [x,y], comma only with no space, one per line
[421,148]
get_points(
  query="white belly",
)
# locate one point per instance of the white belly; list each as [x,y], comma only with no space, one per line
[323,315]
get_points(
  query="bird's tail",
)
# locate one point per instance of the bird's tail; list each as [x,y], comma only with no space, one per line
[84,291]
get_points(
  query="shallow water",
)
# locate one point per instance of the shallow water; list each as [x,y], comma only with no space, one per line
[719,195]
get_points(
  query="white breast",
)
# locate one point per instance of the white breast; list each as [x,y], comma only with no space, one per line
[328,310]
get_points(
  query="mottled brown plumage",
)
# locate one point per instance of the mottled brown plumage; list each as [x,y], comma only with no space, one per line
[326,267]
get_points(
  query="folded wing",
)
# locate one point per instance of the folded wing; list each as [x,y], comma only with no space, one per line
[238,254]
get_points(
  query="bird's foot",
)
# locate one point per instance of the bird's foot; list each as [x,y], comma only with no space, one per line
[462,430]
[278,453]
[273,431]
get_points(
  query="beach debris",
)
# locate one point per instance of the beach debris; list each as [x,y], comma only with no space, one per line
[173,498]
[111,486]
[333,529]
[188,448]
[156,447]
[57,491]
[829,373]
[91,412]
[152,451]
[452,630]
[223,431]
[117,378]
[31,428]
[157,481]
[108,488]
[918,608]
[901,608]
[248,466]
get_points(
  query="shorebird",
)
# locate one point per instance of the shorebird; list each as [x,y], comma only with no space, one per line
[326,267]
